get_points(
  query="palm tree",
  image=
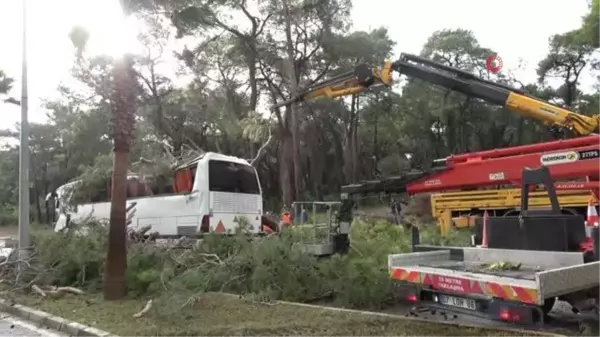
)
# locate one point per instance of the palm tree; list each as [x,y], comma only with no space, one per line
[115,286]
[123,102]
[5,83]
[5,86]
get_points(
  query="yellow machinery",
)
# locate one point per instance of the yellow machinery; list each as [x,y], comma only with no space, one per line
[460,209]
[455,205]
[516,100]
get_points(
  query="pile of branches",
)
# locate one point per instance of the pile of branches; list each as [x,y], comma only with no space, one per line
[71,262]
[26,272]
[60,263]
[55,292]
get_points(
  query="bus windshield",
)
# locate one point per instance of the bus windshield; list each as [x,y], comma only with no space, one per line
[225,176]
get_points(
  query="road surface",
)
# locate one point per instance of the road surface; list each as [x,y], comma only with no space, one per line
[11,326]
[561,319]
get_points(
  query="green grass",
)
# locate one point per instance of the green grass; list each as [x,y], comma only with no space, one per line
[217,314]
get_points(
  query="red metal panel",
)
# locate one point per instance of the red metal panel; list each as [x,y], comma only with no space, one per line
[524,149]
[523,295]
[497,290]
[504,171]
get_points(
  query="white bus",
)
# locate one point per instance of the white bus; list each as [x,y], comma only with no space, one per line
[208,194]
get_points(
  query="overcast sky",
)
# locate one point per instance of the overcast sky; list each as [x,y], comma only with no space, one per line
[516,29]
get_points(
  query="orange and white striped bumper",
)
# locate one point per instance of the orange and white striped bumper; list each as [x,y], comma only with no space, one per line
[466,286]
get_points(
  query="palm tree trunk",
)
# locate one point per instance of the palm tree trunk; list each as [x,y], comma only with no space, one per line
[116,260]
[123,121]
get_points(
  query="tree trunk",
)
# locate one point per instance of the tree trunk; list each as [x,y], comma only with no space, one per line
[349,144]
[115,286]
[47,219]
[38,206]
[252,78]
[286,168]
[375,138]
[297,171]
[316,161]
[355,143]
[291,112]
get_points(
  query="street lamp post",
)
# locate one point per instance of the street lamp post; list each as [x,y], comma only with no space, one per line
[24,151]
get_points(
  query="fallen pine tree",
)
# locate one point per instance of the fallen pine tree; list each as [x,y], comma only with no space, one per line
[267,268]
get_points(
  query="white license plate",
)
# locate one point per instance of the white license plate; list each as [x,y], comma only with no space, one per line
[458,302]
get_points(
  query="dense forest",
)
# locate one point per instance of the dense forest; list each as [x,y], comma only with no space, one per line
[265,52]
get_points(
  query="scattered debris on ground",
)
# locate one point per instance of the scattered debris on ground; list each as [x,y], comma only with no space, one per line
[500,266]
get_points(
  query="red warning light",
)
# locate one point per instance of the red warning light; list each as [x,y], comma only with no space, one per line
[493,64]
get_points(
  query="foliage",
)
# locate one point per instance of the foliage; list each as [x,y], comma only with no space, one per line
[268,268]
[79,37]
[236,61]
[94,179]
[5,83]
[591,25]
[71,258]
[570,54]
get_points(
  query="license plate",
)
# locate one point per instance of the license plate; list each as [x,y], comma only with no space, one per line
[458,302]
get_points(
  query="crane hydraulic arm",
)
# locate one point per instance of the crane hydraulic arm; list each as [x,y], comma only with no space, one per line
[580,161]
[516,100]
[570,159]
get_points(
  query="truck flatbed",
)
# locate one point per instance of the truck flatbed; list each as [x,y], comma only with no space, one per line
[459,270]
[523,273]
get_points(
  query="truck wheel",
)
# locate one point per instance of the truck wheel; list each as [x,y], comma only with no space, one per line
[545,310]
[548,305]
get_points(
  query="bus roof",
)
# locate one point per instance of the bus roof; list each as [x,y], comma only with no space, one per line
[212,156]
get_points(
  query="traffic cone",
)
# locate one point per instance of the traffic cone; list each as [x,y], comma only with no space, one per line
[484,240]
[592,217]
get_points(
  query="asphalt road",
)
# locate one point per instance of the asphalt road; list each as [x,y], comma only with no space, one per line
[11,326]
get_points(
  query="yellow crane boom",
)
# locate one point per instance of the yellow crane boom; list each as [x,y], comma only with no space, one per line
[516,100]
